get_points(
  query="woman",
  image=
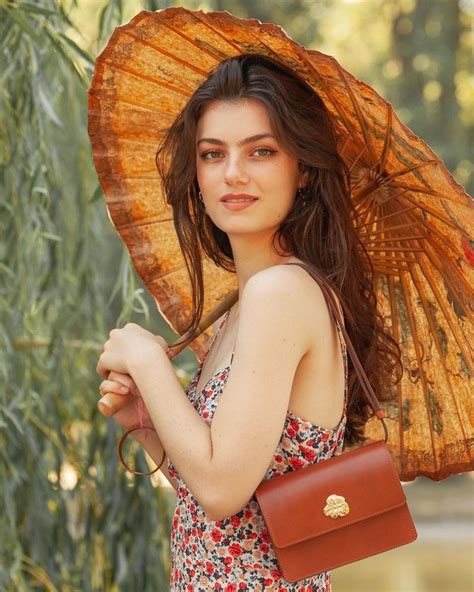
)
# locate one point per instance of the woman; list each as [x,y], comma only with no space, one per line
[256,182]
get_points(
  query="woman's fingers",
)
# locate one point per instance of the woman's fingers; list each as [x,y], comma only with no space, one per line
[113,386]
[112,396]
[125,380]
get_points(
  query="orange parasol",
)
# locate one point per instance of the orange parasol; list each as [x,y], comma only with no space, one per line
[413,218]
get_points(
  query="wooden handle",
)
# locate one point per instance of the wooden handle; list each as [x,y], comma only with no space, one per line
[109,404]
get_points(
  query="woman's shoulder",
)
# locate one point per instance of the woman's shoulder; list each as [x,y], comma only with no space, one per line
[305,291]
[289,278]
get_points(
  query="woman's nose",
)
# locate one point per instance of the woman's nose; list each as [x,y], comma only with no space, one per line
[235,171]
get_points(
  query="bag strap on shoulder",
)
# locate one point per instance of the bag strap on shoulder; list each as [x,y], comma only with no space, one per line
[331,301]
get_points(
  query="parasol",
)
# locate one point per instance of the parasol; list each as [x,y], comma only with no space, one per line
[415,221]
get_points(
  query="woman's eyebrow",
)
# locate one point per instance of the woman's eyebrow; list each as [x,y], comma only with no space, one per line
[240,143]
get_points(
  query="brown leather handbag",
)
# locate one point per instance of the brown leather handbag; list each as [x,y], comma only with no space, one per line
[339,510]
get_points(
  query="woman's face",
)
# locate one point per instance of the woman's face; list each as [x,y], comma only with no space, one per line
[231,160]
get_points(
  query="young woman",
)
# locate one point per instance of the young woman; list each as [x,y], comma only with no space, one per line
[256,182]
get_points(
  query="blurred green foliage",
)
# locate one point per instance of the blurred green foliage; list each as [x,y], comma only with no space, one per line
[71,518]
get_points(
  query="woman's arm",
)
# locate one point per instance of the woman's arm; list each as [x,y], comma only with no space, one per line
[151,443]
[223,468]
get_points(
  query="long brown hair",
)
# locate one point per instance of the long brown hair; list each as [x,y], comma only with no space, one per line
[319,229]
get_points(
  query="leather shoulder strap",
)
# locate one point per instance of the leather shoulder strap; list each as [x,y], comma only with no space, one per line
[333,307]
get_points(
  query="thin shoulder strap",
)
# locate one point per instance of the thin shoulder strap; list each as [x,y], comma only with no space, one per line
[331,301]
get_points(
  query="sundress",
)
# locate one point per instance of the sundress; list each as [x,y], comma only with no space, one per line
[236,553]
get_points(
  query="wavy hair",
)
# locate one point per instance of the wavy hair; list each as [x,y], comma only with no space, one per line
[319,229]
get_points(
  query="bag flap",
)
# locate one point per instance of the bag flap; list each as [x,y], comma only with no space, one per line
[293,504]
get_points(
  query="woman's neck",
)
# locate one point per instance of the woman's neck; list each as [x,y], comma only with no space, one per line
[249,258]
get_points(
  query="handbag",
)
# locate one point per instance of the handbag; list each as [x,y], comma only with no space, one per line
[338,510]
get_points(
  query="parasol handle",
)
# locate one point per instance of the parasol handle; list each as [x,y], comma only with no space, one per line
[109,404]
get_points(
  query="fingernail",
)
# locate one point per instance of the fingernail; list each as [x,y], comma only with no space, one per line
[124,389]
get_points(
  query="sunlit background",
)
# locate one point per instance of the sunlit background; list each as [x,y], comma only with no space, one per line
[71,518]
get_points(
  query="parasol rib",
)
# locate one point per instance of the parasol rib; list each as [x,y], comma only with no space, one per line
[447,315]
[412,323]
[158,81]
[392,239]
[395,331]
[360,116]
[356,160]
[434,213]
[387,141]
[171,56]
[99,113]
[434,334]
[387,229]
[144,222]
[387,216]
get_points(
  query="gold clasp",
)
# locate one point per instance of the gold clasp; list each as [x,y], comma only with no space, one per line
[336,506]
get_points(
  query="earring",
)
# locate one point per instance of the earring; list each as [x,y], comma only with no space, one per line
[301,195]
[202,201]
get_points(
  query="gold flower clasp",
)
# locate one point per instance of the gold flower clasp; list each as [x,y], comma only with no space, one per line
[336,506]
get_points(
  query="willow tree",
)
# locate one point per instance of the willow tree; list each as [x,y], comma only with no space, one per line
[72,519]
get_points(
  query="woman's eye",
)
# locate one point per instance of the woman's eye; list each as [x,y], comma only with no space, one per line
[267,150]
[205,154]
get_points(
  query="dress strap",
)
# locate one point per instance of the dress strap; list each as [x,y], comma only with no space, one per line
[221,324]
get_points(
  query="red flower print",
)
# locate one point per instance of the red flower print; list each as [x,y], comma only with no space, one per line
[216,535]
[291,433]
[295,425]
[189,588]
[275,573]
[243,586]
[325,437]
[309,442]
[235,550]
[309,455]
[296,463]
[228,560]
[278,457]
[209,568]
[235,521]
[265,536]
[264,547]
[248,513]
[230,588]
[268,582]
[217,586]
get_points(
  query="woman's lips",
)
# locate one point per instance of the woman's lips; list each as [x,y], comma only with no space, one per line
[238,205]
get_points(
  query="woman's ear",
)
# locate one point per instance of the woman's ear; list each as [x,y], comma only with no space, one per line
[303,181]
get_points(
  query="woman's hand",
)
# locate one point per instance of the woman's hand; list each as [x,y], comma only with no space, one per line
[129,415]
[125,346]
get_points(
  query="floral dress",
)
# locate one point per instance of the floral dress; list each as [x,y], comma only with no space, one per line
[236,553]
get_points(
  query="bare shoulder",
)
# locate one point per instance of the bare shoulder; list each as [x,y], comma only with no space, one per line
[293,287]
[290,281]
